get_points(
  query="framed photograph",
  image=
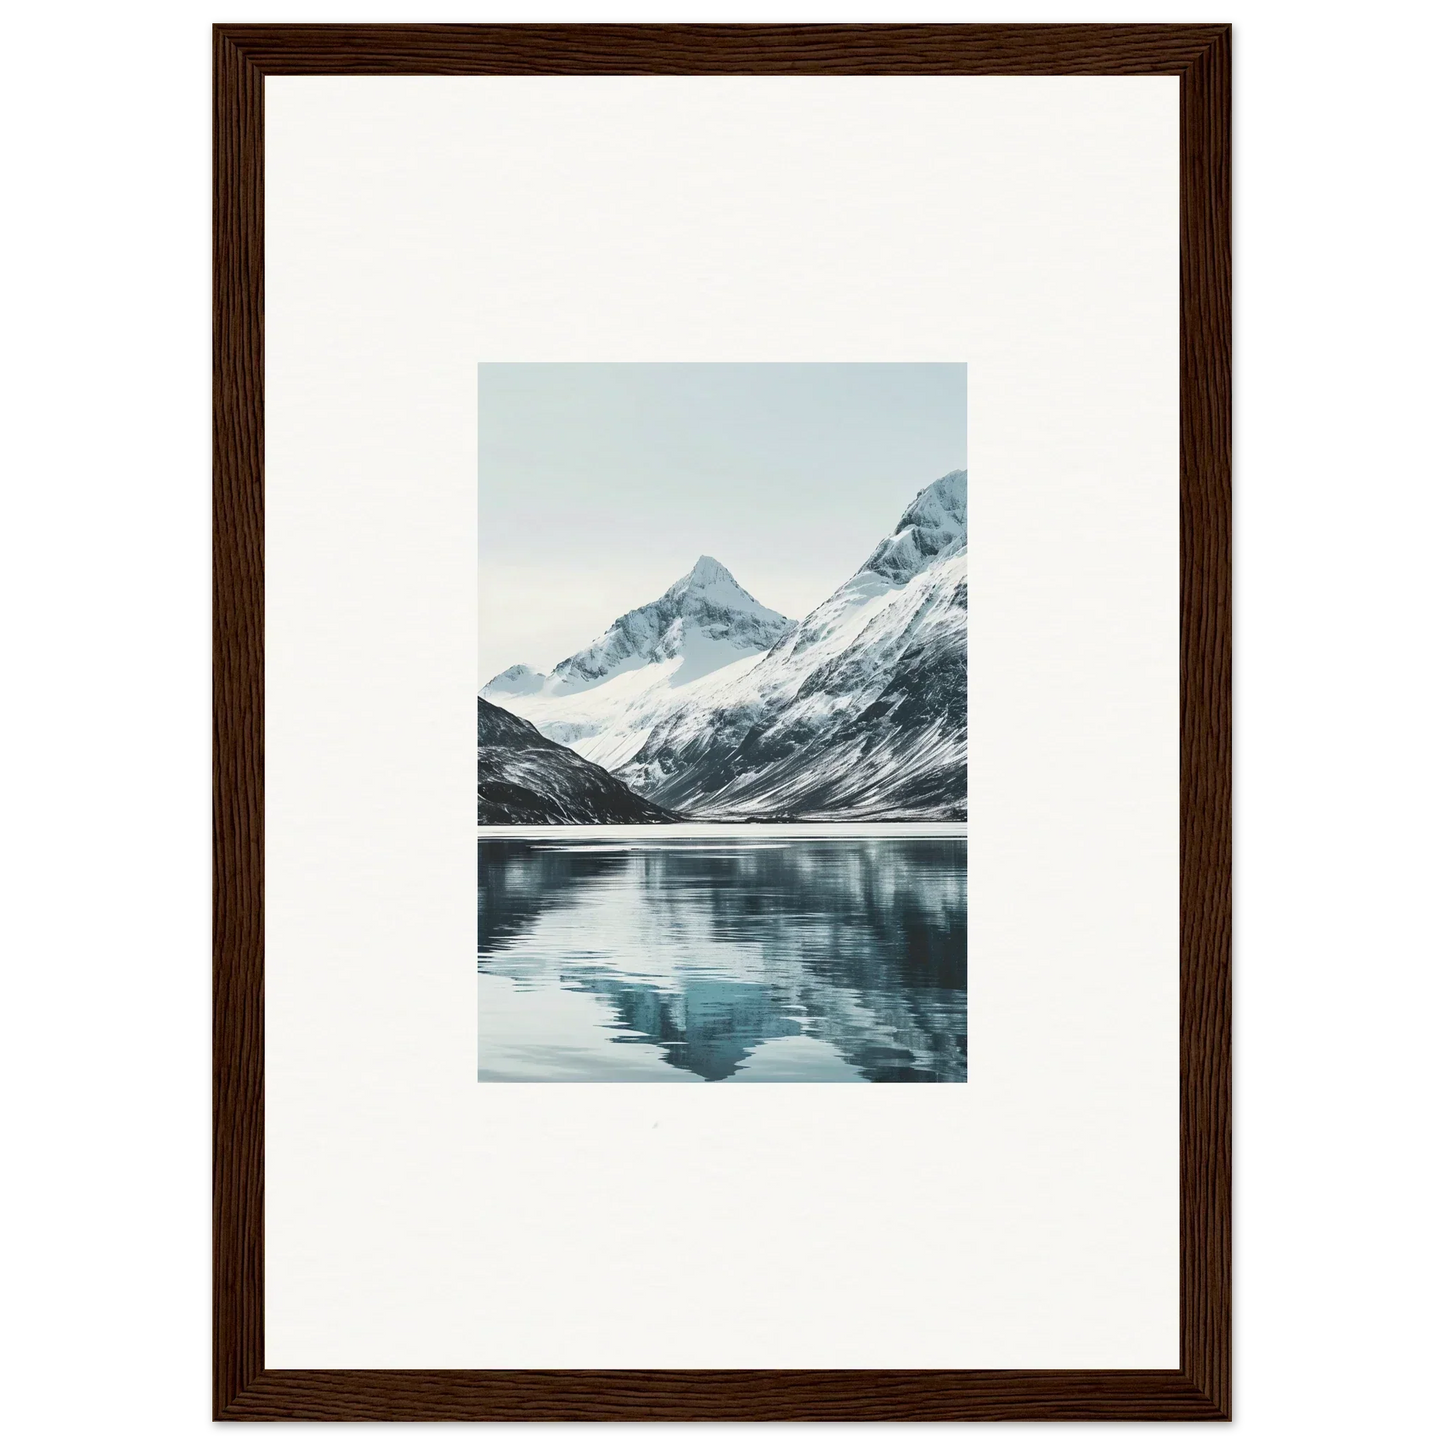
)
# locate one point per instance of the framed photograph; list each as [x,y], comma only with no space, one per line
[628,390]
[720,841]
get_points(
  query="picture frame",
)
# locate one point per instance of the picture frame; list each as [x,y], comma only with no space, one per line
[243,1389]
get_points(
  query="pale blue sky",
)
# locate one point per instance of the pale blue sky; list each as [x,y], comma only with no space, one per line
[600,485]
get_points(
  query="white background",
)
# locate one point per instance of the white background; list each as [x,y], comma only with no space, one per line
[1024,1221]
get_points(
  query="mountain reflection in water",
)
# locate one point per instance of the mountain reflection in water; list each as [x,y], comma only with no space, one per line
[743,958]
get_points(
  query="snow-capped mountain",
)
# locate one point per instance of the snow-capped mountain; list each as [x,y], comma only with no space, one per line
[518,681]
[934,525]
[710,704]
[523,777]
[859,712]
[604,701]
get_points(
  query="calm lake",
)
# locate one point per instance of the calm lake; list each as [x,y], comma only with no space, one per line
[754,957]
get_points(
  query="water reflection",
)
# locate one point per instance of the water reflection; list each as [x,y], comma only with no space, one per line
[746,959]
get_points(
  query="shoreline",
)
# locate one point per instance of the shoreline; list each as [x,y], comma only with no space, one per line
[663,831]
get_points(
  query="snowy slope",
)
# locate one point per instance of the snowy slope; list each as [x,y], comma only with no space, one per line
[523,777]
[860,712]
[703,633]
[710,704]
[518,681]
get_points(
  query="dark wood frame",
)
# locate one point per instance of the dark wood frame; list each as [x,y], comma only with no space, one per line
[1199,56]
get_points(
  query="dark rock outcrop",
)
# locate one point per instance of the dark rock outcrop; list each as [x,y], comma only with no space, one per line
[523,777]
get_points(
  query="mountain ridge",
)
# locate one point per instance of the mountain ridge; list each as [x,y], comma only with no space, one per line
[934,524]
[706,604]
[706,702]
[859,713]
[523,777]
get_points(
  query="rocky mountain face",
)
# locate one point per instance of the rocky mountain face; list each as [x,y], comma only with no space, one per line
[705,607]
[604,700]
[859,713]
[708,703]
[935,525]
[523,777]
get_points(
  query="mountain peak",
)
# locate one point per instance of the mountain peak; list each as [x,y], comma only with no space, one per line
[706,572]
[705,606]
[710,588]
[934,524]
[708,569]
[941,505]
[517,681]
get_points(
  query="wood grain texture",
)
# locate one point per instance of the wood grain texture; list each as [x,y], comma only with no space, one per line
[1204,722]
[721,49]
[722,1395]
[238,631]
[1199,1390]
